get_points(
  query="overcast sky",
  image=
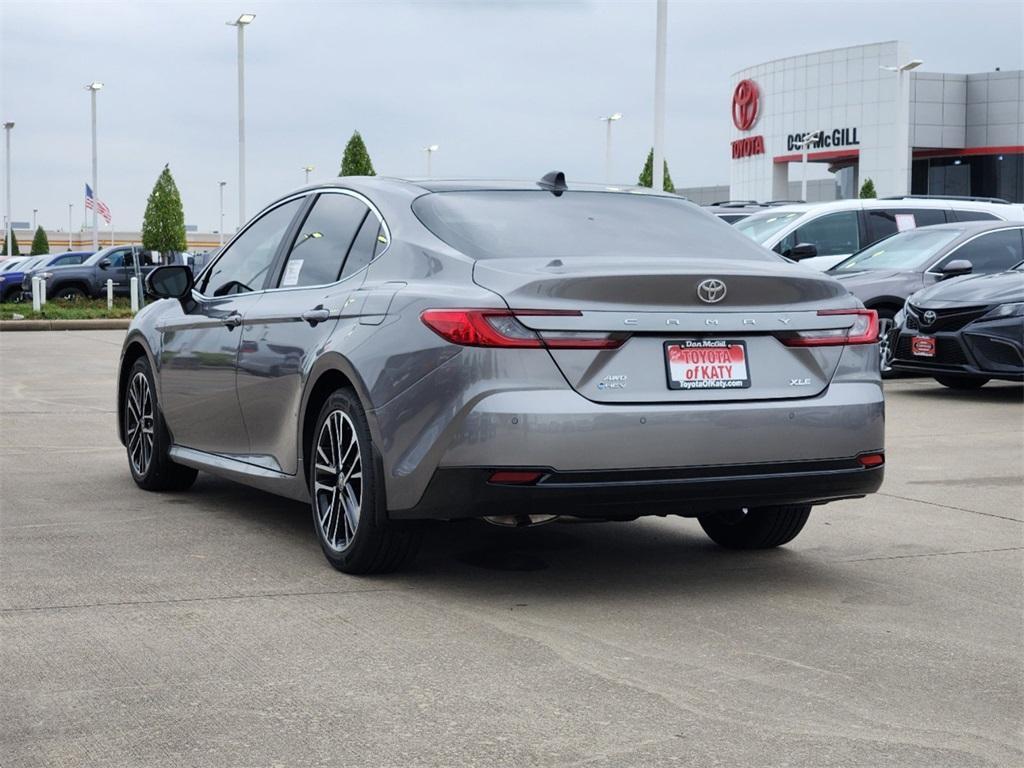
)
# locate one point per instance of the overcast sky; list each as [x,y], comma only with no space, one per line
[506,88]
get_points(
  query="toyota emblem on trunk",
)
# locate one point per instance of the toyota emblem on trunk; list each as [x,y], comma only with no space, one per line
[711,291]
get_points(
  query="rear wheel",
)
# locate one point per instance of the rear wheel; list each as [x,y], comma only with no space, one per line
[146,436]
[962,382]
[760,528]
[347,494]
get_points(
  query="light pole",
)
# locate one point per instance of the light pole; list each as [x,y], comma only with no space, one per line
[901,141]
[608,145]
[804,145]
[430,150]
[658,170]
[307,169]
[241,22]
[220,231]
[93,88]
[34,212]
[70,207]
[9,229]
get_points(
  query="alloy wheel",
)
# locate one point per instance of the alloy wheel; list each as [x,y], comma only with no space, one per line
[139,423]
[885,329]
[338,481]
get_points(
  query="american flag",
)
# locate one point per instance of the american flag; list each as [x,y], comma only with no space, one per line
[101,207]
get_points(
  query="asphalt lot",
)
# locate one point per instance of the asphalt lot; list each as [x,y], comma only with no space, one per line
[206,629]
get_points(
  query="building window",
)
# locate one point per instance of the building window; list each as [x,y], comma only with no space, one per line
[976,175]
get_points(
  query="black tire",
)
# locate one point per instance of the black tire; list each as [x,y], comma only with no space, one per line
[886,342]
[761,528]
[962,382]
[152,471]
[69,293]
[12,295]
[377,544]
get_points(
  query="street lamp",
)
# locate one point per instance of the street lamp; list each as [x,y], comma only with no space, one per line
[34,212]
[903,118]
[307,169]
[430,150]
[93,88]
[9,229]
[241,22]
[220,231]
[658,170]
[804,145]
[608,145]
[70,208]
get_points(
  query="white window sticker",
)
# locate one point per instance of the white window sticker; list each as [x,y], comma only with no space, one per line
[905,221]
[291,272]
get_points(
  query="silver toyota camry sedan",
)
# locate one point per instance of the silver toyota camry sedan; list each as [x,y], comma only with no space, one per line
[392,351]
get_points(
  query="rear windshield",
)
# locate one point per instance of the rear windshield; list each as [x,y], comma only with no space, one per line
[500,224]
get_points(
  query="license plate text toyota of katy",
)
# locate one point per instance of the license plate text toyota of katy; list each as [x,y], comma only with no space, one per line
[394,351]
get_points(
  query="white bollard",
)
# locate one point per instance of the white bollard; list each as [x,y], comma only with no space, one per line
[36,306]
[42,291]
[110,294]
[135,294]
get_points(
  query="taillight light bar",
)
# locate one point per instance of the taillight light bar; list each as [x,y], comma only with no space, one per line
[863,331]
[500,328]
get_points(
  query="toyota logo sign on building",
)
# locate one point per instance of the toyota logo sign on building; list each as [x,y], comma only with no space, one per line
[745,104]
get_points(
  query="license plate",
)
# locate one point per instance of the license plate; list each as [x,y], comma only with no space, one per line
[707,364]
[923,346]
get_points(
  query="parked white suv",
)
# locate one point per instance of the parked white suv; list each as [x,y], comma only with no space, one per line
[820,235]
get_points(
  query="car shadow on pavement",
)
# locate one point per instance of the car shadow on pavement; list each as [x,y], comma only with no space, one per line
[993,392]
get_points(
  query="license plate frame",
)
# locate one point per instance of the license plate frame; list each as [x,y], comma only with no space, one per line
[923,346]
[705,384]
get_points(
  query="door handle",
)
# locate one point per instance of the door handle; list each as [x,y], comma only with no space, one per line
[233,320]
[314,316]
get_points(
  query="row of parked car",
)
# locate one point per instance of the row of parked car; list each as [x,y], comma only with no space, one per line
[944,274]
[73,275]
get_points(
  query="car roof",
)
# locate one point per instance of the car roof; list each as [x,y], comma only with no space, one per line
[857,203]
[452,185]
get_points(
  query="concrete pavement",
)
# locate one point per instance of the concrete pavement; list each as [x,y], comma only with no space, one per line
[206,629]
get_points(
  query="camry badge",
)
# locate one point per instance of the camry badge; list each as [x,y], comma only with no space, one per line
[928,317]
[711,291]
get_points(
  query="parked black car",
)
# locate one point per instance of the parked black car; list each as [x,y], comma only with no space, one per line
[89,279]
[966,331]
[885,273]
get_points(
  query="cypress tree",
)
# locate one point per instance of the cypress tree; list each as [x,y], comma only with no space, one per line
[647,174]
[867,189]
[14,246]
[163,225]
[40,244]
[356,160]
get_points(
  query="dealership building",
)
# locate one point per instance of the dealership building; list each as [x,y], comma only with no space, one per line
[870,112]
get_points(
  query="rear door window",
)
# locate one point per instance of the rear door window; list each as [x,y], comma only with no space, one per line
[962,215]
[991,252]
[363,247]
[324,240]
[832,235]
[888,221]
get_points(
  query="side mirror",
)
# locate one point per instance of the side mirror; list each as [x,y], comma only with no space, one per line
[104,264]
[170,282]
[957,267]
[803,251]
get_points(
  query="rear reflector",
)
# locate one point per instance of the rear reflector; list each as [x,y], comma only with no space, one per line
[864,330]
[510,477]
[871,459]
[500,328]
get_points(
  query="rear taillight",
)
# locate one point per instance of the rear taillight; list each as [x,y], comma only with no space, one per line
[500,328]
[864,330]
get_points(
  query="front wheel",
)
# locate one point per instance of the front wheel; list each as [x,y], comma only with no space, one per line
[760,528]
[962,382]
[70,293]
[347,494]
[146,437]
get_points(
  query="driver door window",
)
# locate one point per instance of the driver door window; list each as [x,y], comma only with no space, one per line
[243,267]
[833,235]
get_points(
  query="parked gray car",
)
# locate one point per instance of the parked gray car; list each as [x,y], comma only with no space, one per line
[392,351]
[884,274]
[89,278]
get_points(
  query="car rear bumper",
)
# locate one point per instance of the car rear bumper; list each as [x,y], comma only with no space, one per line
[626,494]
